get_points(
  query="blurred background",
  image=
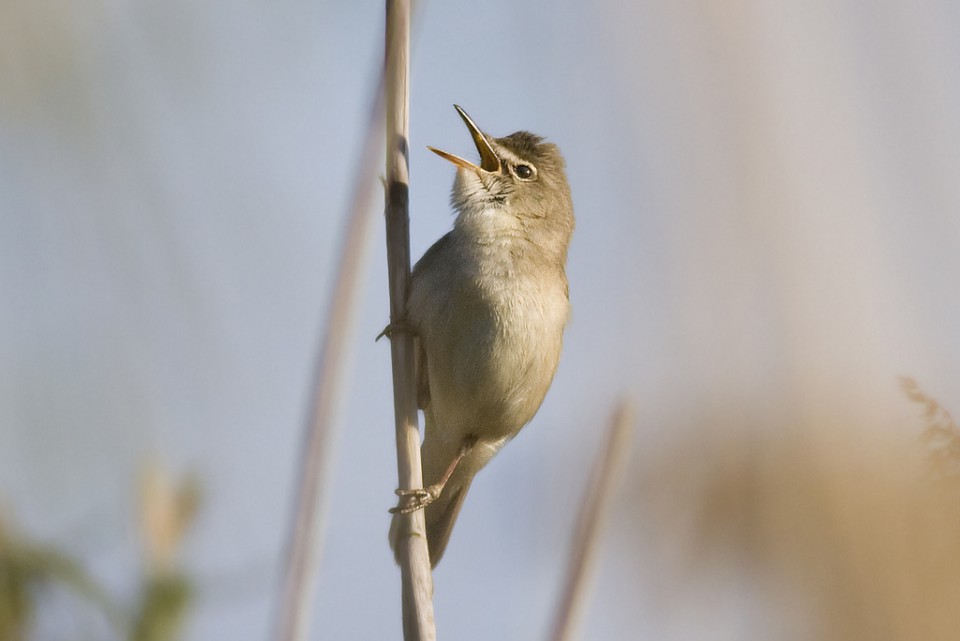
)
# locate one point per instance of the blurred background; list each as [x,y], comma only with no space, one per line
[768,237]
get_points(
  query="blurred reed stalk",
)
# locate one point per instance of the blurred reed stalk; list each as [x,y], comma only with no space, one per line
[412,553]
[306,530]
[596,502]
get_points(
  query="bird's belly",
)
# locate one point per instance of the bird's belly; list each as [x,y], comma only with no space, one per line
[492,368]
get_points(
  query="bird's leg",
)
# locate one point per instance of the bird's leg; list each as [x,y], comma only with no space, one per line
[417,499]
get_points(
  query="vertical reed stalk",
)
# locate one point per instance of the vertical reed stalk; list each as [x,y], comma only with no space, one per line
[412,554]
[596,503]
[306,533]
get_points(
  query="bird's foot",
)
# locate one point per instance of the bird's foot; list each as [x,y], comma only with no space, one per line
[395,328]
[413,500]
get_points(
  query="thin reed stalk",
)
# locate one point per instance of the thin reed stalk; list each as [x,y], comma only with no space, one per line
[593,510]
[306,532]
[412,554]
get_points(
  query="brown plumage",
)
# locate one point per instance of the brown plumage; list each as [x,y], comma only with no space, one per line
[488,303]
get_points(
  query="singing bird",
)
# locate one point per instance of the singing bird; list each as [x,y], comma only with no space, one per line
[487,305]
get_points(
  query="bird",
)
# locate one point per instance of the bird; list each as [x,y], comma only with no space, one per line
[487,306]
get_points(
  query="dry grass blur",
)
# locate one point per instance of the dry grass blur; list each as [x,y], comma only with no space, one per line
[167,509]
[833,532]
[26,567]
[941,435]
[30,570]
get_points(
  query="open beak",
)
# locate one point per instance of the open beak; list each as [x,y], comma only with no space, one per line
[488,158]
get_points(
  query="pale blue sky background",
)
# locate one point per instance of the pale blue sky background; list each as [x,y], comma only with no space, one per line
[767,198]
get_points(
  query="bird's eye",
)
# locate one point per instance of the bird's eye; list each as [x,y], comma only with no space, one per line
[523,171]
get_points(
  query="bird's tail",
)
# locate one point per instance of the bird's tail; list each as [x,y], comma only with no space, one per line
[441,515]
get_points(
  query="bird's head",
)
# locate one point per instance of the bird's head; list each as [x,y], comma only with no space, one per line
[520,180]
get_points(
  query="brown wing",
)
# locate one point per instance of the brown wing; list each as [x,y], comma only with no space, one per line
[423,379]
[431,261]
